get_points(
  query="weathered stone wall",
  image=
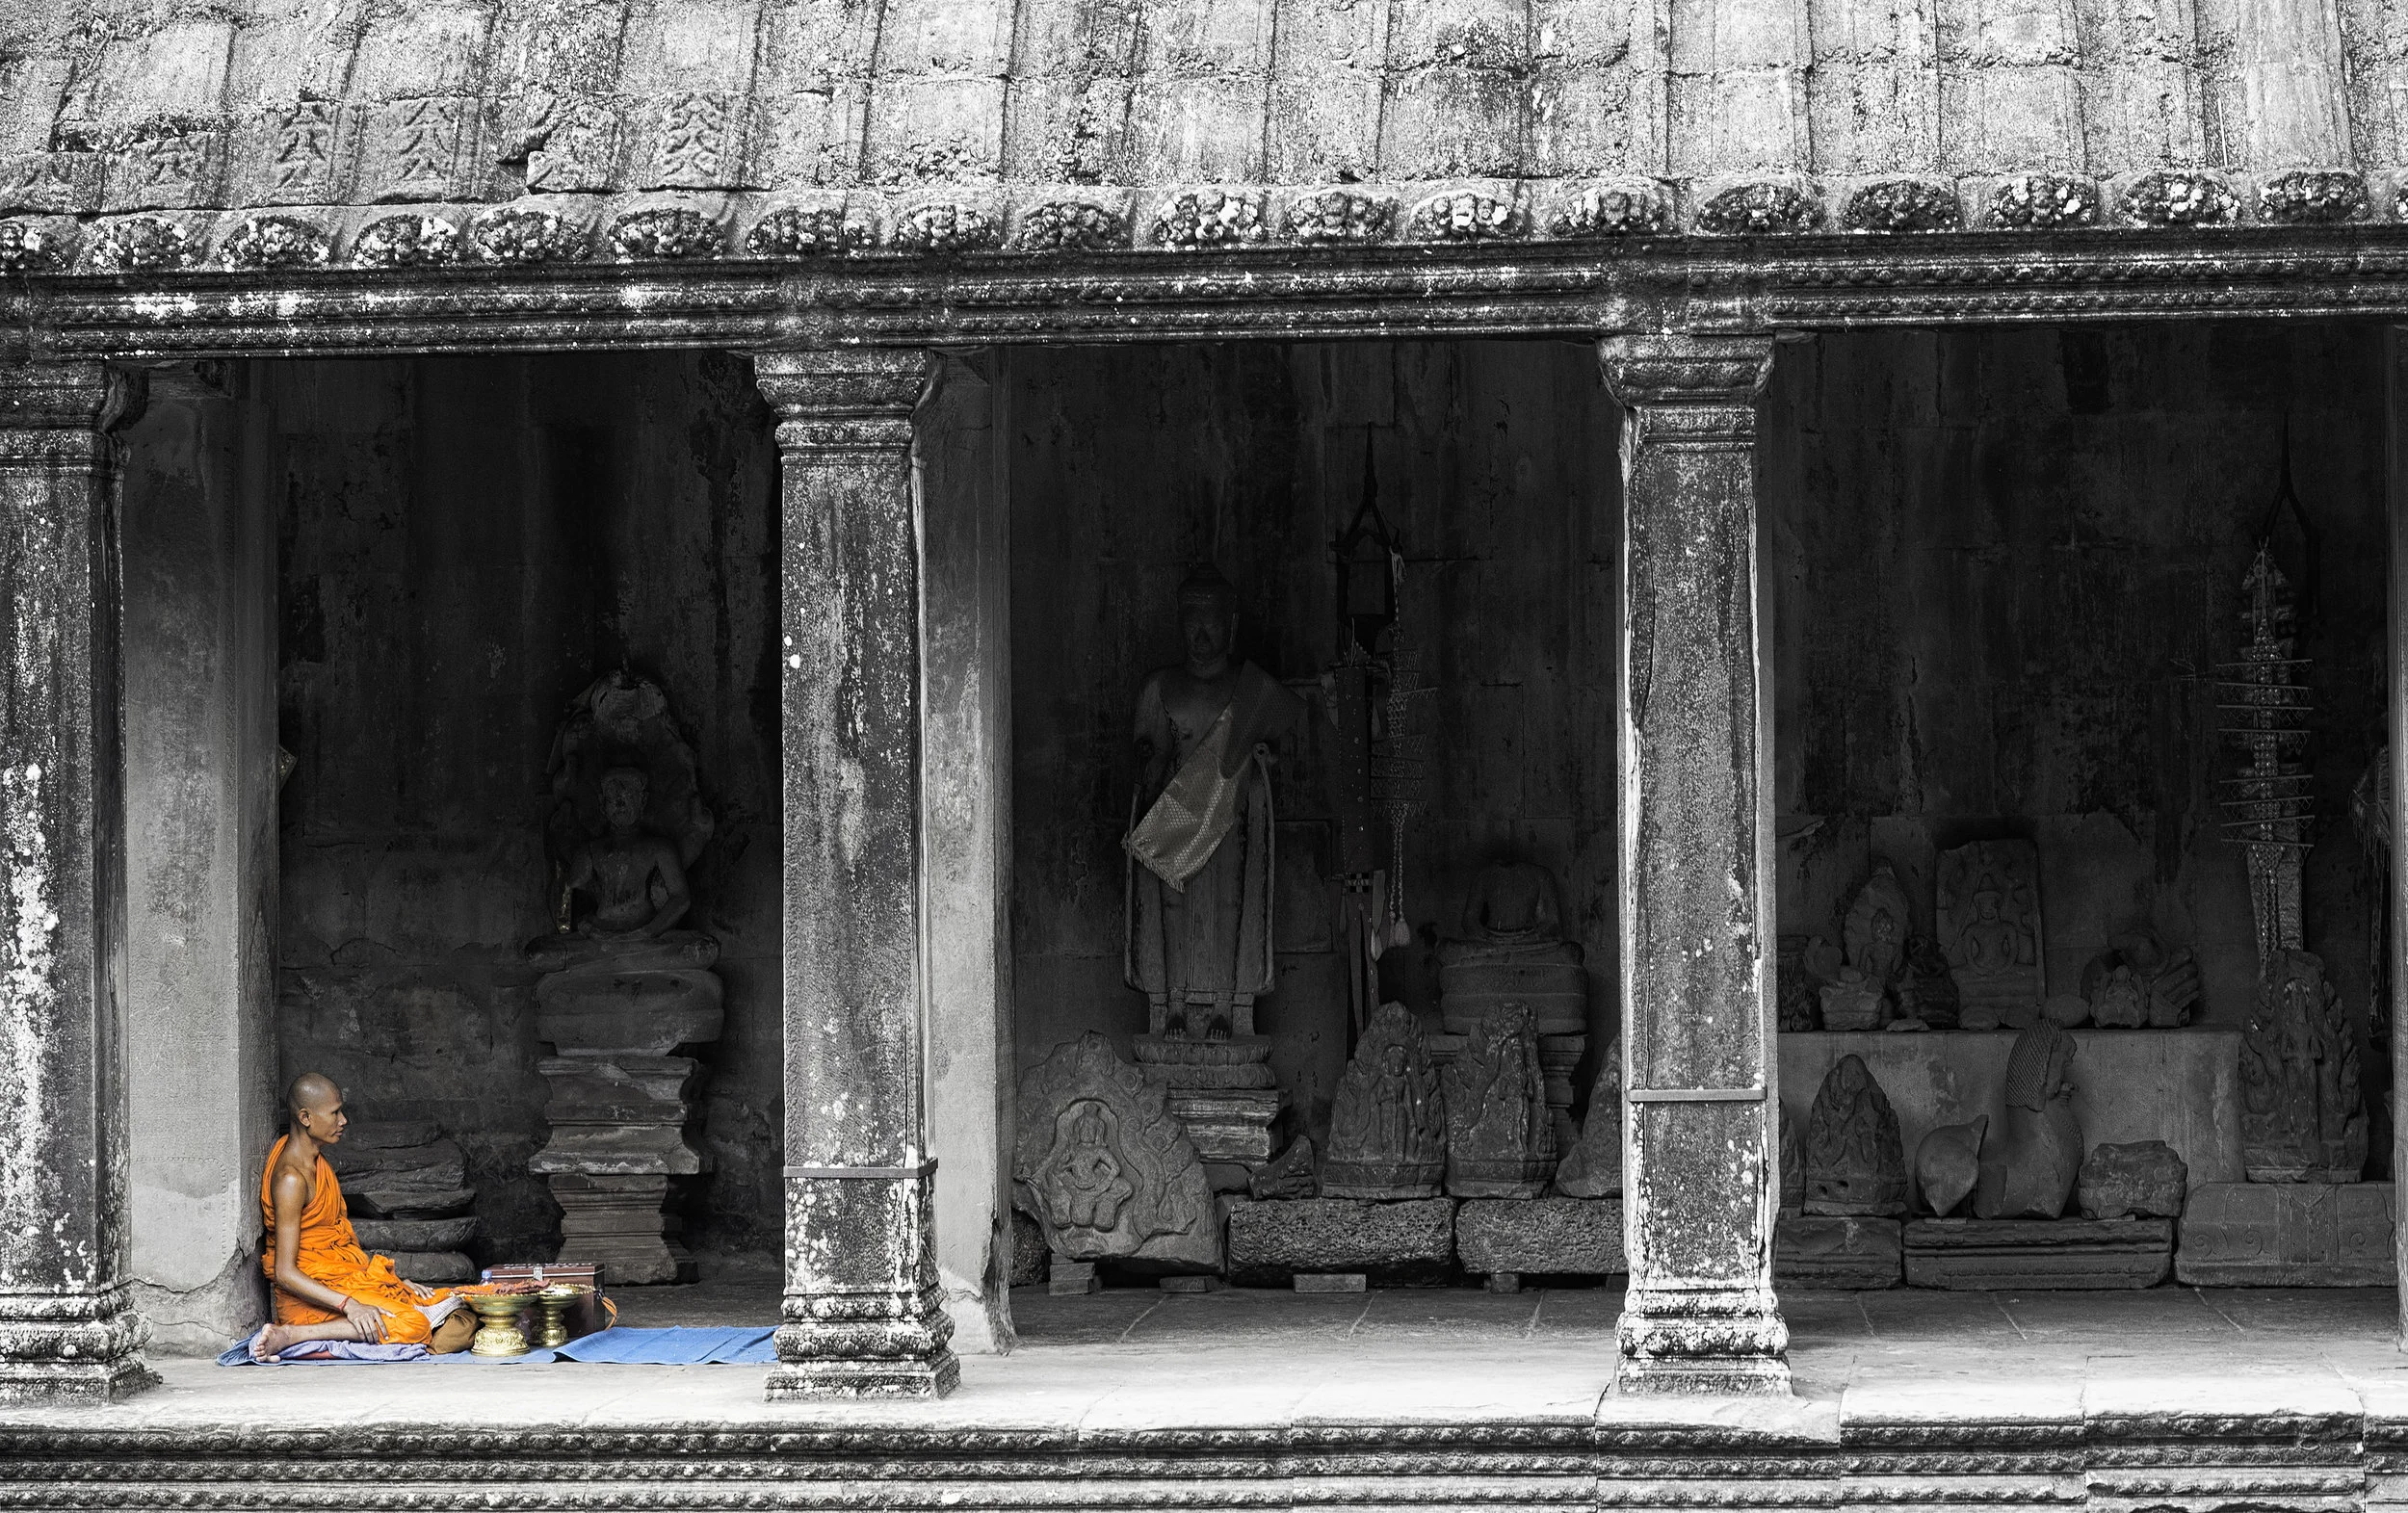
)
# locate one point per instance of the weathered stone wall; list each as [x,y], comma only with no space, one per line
[1494,461]
[463,545]
[2006,566]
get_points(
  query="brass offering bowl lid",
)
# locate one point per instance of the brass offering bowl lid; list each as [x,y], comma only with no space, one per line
[498,1305]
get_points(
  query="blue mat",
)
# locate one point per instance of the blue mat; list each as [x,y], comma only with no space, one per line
[745,1346]
[749,1344]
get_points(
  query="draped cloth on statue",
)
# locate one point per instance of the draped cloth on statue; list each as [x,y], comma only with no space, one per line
[330,1253]
[1200,874]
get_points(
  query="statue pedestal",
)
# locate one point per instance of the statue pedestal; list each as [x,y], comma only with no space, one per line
[2287,1234]
[621,1103]
[1224,1092]
[1857,1254]
[1236,1126]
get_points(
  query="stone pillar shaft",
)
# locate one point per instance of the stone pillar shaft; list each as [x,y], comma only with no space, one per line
[1700,1152]
[67,1329]
[863,1314]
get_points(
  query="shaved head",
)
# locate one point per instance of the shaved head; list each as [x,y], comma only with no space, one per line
[312,1093]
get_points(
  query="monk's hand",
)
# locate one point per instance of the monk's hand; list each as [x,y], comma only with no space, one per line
[424,1294]
[367,1319]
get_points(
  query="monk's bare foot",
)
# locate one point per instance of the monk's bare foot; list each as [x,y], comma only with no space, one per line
[270,1341]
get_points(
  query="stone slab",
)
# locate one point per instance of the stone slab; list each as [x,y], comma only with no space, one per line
[2288,1234]
[1547,1237]
[1073,1279]
[391,1234]
[1858,1254]
[1270,1242]
[1332,1282]
[1994,1255]
[433,1265]
[2181,1086]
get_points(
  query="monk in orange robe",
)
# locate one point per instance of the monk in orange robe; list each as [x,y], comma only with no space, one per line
[325,1286]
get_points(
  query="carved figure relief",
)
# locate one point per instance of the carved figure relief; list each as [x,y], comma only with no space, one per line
[1104,1169]
[2139,980]
[2028,1171]
[1875,931]
[1388,1125]
[1592,1168]
[1501,1141]
[2302,1116]
[1855,1162]
[1990,930]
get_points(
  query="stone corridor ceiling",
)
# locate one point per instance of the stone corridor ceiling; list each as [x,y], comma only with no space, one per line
[279,133]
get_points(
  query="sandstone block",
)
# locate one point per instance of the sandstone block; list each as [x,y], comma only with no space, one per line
[1270,1243]
[2288,1234]
[1857,1253]
[1549,1237]
[2067,1254]
[2141,1180]
[1331,1282]
[392,1236]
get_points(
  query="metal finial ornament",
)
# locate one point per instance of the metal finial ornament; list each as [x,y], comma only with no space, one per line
[2263,706]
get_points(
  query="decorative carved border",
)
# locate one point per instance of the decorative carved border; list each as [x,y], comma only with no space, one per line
[541,274]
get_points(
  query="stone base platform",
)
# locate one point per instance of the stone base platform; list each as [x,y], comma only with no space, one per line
[1817,1250]
[1541,1237]
[2064,1254]
[2287,1234]
[1261,1402]
[1392,1244]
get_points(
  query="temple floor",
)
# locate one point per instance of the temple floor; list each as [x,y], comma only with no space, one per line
[1134,1358]
[2165,1401]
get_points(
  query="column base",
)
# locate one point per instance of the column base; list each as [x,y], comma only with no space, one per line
[872,1344]
[1726,1343]
[791,1381]
[72,1348]
[31,1382]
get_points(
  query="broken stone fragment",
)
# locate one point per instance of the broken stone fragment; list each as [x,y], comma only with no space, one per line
[2144,1179]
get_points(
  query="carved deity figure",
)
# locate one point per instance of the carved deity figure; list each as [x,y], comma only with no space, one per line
[2028,1171]
[624,982]
[1104,1169]
[1090,1189]
[2302,1117]
[1875,931]
[1388,1125]
[1855,1164]
[1501,1138]
[1200,847]
[2139,971]
[1592,1168]
[1990,930]
[637,884]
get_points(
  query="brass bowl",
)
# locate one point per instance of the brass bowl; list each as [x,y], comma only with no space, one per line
[497,1323]
[556,1301]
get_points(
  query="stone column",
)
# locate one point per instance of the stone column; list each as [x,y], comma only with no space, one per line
[864,1315]
[966,807]
[1701,1167]
[201,845]
[2396,457]
[68,1330]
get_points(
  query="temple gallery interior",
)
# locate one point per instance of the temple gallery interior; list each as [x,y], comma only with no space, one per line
[1272,712]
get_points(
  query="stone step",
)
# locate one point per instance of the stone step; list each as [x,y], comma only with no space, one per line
[436,1164]
[376,1201]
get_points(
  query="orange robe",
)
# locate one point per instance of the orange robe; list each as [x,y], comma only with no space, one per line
[330,1253]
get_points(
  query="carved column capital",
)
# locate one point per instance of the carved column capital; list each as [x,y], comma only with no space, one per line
[63,411]
[1679,371]
[854,398]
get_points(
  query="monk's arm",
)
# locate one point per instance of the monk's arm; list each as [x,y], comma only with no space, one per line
[290,1195]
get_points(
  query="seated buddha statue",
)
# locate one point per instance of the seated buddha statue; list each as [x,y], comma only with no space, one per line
[1512,950]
